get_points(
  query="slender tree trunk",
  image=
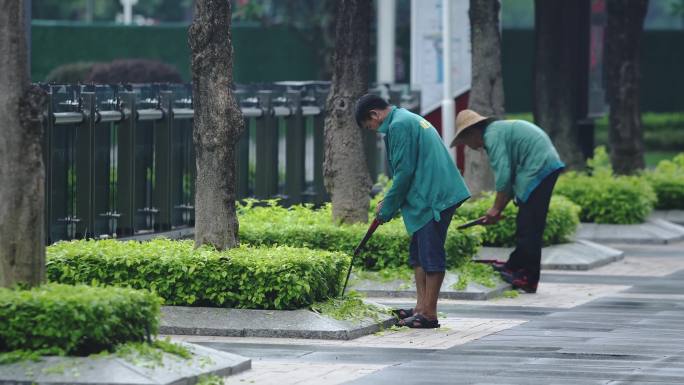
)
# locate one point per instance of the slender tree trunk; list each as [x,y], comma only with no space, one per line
[559,71]
[22,172]
[622,46]
[345,171]
[486,93]
[217,125]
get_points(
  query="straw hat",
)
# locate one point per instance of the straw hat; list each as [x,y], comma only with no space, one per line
[464,120]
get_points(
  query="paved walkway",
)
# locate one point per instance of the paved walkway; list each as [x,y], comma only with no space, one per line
[619,324]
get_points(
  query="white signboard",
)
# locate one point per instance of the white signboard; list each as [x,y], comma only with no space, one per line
[426,50]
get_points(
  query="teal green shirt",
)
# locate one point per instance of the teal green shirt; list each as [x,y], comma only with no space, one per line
[425,180]
[521,155]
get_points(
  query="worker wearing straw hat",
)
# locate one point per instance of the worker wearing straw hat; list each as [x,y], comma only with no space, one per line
[526,166]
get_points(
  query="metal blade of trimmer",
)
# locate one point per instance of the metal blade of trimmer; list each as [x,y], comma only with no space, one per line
[371,229]
[478,221]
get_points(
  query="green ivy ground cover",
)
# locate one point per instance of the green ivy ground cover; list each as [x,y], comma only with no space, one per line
[74,320]
[303,226]
[245,277]
[561,221]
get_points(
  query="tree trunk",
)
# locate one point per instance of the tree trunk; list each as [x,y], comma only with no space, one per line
[345,171]
[625,20]
[486,93]
[217,124]
[22,172]
[559,73]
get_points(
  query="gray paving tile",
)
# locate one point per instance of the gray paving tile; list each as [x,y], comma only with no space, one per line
[578,255]
[182,320]
[635,336]
[674,216]
[654,231]
[115,370]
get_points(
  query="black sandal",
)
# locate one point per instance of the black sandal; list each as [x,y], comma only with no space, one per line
[402,313]
[419,322]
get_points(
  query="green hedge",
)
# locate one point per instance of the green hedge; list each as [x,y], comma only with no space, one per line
[662,131]
[76,72]
[244,277]
[667,181]
[607,198]
[561,221]
[75,320]
[302,226]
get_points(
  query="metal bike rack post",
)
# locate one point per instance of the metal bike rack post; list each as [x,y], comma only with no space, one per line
[266,178]
[126,165]
[295,143]
[84,167]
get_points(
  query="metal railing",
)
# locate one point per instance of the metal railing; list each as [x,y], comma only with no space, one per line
[120,159]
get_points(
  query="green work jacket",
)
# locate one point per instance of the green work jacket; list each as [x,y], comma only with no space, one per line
[521,155]
[425,180]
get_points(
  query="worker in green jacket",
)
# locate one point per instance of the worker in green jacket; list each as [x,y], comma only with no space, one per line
[427,188]
[526,166]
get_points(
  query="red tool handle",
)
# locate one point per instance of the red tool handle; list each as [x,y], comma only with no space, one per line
[371,229]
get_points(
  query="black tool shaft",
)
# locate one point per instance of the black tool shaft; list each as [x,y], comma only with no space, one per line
[371,229]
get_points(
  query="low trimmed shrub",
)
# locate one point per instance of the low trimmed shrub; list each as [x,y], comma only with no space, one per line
[75,320]
[607,198]
[615,199]
[302,226]
[134,71]
[73,73]
[667,181]
[243,277]
[561,221]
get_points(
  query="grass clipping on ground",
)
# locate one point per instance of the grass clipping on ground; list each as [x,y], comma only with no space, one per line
[476,272]
[349,307]
[469,272]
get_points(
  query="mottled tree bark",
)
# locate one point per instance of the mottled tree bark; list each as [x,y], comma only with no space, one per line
[217,124]
[345,171]
[486,92]
[558,74]
[22,172]
[625,20]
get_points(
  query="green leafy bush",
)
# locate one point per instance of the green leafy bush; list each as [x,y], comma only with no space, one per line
[244,277]
[75,320]
[561,221]
[668,182]
[607,198]
[302,226]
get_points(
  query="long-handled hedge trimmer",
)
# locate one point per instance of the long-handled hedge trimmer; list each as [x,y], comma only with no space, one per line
[371,229]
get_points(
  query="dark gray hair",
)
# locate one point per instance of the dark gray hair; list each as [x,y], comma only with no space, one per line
[365,104]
